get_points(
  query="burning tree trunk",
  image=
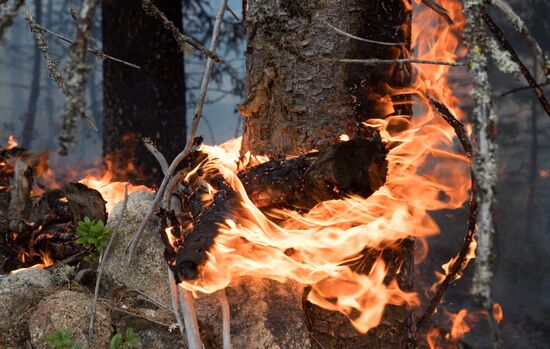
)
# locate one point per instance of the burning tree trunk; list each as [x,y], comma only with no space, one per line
[298,101]
[141,103]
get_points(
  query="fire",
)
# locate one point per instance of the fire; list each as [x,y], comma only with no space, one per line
[459,327]
[12,143]
[498,314]
[112,192]
[425,173]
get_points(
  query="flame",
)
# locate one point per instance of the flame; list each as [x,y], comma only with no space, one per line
[46,260]
[498,314]
[12,143]
[425,173]
[112,192]
[544,173]
[459,327]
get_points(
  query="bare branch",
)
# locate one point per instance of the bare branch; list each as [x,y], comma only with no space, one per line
[157,154]
[460,261]
[190,319]
[181,38]
[174,300]
[505,45]
[51,65]
[439,9]
[521,28]
[370,41]
[226,318]
[376,61]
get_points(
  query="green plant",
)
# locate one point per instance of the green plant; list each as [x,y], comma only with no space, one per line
[93,236]
[129,340]
[63,340]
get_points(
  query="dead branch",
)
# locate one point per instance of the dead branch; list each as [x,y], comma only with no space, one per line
[439,9]
[157,154]
[51,65]
[519,89]
[100,55]
[174,301]
[181,38]
[222,298]
[505,45]
[9,14]
[376,61]
[191,140]
[190,319]
[459,262]
[521,28]
[370,41]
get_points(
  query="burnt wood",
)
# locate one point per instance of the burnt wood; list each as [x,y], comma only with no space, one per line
[356,167]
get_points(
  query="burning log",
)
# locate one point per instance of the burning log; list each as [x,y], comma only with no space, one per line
[20,200]
[356,167]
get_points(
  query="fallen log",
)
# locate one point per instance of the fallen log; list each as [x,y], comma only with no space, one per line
[356,167]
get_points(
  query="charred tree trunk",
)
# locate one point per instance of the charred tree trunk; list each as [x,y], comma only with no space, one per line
[141,103]
[298,101]
[30,116]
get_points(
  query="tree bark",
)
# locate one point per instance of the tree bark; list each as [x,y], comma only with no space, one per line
[298,101]
[141,103]
[30,116]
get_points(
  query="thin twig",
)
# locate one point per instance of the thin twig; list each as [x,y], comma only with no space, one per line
[157,154]
[459,262]
[181,38]
[102,258]
[519,89]
[376,61]
[370,41]
[521,28]
[190,140]
[226,318]
[234,14]
[439,10]
[505,44]
[174,300]
[190,319]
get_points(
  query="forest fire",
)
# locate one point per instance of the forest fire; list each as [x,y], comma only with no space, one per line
[318,247]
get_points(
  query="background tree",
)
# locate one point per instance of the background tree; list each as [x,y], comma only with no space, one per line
[149,102]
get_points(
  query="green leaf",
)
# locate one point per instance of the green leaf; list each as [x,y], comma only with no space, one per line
[116,341]
[87,220]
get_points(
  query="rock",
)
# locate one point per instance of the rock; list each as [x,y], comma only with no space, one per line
[264,313]
[147,272]
[69,310]
[29,277]
[19,292]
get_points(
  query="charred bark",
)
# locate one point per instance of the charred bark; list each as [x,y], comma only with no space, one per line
[141,103]
[357,167]
[297,101]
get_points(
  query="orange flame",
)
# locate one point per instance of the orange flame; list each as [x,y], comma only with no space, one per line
[424,174]
[112,192]
[459,327]
[12,143]
[498,314]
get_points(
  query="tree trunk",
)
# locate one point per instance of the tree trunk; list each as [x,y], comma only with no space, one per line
[298,101]
[149,102]
[30,115]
